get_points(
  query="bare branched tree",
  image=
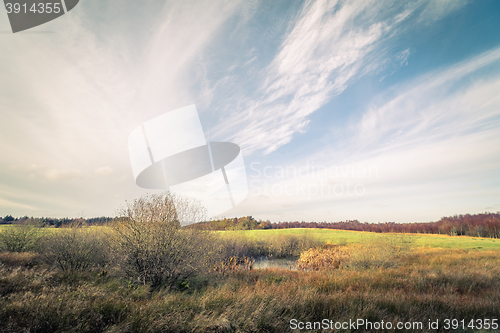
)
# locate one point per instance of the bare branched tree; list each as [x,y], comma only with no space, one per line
[152,246]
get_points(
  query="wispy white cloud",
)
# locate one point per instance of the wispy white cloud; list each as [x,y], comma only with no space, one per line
[330,44]
[35,171]
[6,204]
[434,144]
[70,108]
[429,108]
[435,10]
[392,64]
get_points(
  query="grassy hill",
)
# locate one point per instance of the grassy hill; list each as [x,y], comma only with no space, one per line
[362,237]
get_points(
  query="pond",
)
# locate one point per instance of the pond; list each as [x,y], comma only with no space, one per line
[267,262]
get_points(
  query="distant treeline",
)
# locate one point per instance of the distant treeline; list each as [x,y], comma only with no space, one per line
[56,222]
[478,225]
[237,223]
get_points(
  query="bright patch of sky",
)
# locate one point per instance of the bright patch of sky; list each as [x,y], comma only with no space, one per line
[368,110]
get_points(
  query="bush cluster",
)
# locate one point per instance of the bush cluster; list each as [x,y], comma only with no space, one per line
[327,257]
[76,249]
[145,244]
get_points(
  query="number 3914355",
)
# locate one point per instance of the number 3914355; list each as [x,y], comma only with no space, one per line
[36,8]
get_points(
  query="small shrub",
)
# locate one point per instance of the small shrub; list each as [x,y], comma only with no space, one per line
[76,249]
[20,238]
[328,257]
[152,246]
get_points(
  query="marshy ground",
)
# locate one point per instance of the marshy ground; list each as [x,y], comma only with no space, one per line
[342,276]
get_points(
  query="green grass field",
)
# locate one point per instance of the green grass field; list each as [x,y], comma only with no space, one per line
[360,237]
[356,237]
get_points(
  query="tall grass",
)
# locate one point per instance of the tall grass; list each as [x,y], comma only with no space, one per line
[276,246]
[429,284]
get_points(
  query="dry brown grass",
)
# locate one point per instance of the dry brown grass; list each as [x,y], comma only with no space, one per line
[23,259]
[327,257]
[426,284]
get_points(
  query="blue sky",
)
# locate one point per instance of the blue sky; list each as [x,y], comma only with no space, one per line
[370,110]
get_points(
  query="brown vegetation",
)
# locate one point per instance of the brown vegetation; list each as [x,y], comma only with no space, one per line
[427,284]
[147,274]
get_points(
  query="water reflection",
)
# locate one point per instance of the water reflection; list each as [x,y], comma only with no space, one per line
[267,262]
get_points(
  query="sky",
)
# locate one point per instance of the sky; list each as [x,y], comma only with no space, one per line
[370,110]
